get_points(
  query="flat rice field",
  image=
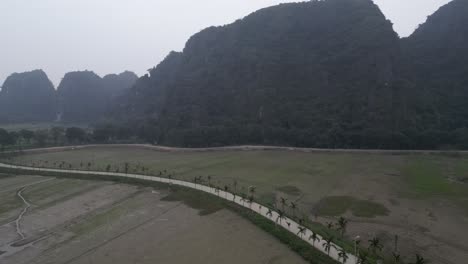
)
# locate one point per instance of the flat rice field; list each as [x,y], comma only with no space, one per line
[79,221]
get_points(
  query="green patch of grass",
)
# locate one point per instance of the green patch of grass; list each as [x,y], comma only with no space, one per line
[369,209]
[339,205]
[290,190]
[333,205]
[267,199]
[425,177]
[198,200]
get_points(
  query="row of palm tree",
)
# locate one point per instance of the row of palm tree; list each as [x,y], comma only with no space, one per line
[375,246]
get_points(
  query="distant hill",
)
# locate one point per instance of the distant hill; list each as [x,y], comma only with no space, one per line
[80,97]
[27,97]
[85,97]
[116,84]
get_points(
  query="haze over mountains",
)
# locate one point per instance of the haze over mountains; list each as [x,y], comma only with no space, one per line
[80,97]
[327,73]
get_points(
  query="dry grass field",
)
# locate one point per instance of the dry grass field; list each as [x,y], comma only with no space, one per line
[421,198]
[79,221]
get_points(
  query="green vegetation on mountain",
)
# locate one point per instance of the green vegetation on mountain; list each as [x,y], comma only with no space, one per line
[436,65]
[328,74]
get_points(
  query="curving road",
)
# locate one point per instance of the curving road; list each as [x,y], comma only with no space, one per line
[286,223]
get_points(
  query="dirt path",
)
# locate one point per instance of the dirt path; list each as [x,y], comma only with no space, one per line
[270,214]
[26,208]
[20,216]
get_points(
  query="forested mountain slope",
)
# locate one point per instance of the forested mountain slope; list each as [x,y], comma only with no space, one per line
[318,73]
[27,97]
[436,61]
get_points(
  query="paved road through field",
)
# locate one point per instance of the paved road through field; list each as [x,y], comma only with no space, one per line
[286,223]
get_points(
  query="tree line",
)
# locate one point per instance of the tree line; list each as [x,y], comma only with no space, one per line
[151,133]
[55,136]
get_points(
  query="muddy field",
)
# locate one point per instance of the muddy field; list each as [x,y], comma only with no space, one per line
[49,220]
[419,197]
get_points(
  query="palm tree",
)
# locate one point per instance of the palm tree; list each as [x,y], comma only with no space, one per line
[126,167]
[302,231]
[357,242]
[396,243]
[314,237]
[342,223]
[328,244]
[419,260]
[363,258]
[283,202]
[242,198]
[302,220]
[375,245]
[252,190]
[396,257]
[280,216]
[269,213]
[330,225]
[343,255]
[293,208]
[251,199]
[235,186]
[226,189]
[170,178]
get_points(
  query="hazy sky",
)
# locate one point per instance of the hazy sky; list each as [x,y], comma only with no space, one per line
[110,36]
